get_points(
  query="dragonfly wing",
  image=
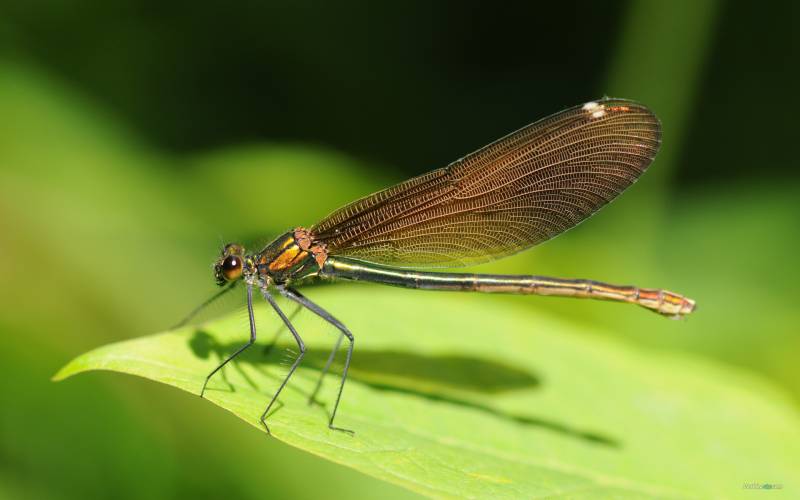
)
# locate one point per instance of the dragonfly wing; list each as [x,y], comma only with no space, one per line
[519,191]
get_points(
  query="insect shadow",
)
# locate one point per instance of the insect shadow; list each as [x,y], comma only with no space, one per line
[455,379]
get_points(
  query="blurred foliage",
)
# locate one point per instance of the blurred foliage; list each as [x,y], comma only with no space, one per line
[414,85]
[135,135]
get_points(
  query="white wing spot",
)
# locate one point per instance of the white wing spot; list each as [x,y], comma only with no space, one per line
[596,110]
[590,106]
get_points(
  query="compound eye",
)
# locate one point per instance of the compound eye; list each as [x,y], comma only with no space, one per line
[232,267]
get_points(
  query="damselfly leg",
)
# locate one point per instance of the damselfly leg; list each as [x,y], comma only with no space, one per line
[300,345]
[268,348]
[313,398]
[296,296]
[241,349]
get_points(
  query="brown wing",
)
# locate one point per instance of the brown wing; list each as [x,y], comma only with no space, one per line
[514,193]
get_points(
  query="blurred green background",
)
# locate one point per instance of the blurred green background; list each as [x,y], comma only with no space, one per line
[134,135]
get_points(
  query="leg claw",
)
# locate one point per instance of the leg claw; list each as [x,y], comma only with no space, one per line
[340,429]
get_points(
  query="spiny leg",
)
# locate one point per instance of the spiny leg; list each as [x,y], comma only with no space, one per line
[239,351]
[268,348]
[300,345]
[296,296]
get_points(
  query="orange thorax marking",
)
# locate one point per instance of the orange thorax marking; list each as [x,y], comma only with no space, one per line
[291,255]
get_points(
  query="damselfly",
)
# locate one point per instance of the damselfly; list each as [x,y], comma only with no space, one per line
[517,192]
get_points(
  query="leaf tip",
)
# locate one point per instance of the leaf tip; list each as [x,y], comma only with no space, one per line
[65,372]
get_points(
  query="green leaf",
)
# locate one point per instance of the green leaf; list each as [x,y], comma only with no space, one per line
[462,395]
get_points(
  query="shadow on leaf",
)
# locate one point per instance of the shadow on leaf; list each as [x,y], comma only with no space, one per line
[458,380]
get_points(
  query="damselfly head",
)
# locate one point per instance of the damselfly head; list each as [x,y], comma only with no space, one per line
[230,264]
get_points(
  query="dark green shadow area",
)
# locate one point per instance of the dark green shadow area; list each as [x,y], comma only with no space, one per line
[459,380]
